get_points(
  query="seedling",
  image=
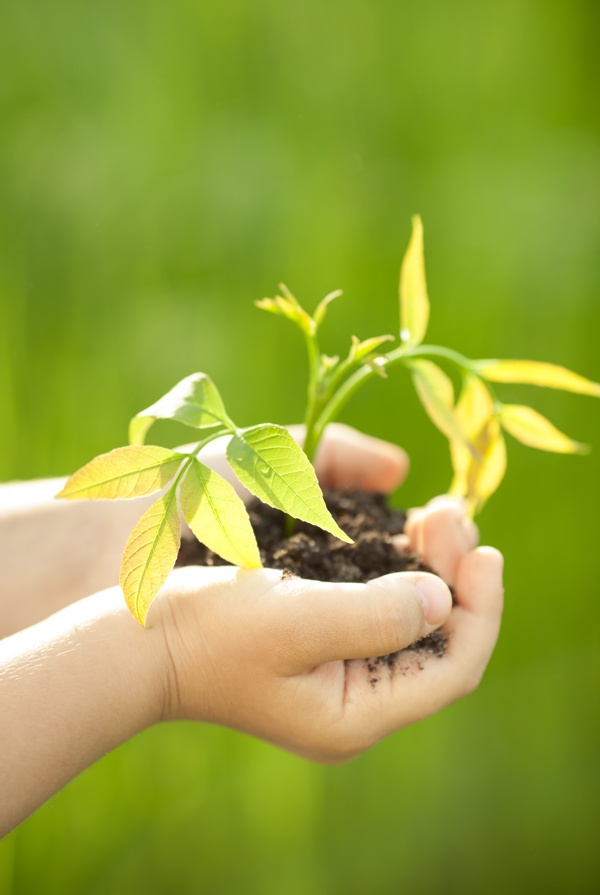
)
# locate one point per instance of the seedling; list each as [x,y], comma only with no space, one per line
[271,465]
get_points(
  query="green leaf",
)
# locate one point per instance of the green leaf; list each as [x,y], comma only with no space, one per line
[194,401]
[531,428]
[270,464]
[150,554]
[123,473]
[436,392]
[529,372]
[414,302]
[321,309]
[288,306]
[218,517]
[360,350]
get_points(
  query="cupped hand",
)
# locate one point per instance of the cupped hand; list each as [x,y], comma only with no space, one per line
[288,660]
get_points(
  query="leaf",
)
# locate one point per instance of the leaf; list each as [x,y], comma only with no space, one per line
[218,517]
[288,306]
[267,460]
[194,401]
[361,350]
[414,303]
[150,554]
[476,477]
[321,309]
[493,467]
[529,372]
[473,412]
[475,405]
[436,392]
[531,428]
[123,473]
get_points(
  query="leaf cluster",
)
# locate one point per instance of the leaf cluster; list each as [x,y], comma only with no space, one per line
[265,459]
[474,423]
[270,464]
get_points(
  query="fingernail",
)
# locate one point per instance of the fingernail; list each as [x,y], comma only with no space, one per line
[436,597]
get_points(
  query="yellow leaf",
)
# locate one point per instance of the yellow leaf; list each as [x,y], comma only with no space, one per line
[123,473]
[478,475]
[414,303]
[473,411]
[218,517]
[533,429]
[150,554]
[475,405]
[529,372]
[436,392]
[493,466]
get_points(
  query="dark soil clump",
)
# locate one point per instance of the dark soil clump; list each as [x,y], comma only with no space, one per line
[313,553]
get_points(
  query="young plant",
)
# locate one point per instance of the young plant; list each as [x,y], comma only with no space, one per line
[270,464]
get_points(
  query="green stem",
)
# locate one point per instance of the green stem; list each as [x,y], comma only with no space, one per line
[212,437]
[351,385]
[316,397]
[432,351]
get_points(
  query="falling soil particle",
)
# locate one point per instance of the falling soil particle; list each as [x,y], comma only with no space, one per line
[313,553]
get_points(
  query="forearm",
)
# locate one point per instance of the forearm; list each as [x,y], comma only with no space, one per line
[53,552]
[72,688]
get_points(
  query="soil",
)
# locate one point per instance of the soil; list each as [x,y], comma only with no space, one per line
[313,553]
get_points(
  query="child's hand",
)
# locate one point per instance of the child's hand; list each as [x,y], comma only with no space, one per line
[284,659]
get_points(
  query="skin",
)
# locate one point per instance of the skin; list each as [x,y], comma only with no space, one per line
[282,659]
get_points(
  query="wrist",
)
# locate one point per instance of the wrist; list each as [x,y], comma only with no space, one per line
[194,631]
[139,658]
[72,688]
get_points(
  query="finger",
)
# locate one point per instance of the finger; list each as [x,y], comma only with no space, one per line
[479,584]
[474,624]
[347,458]
[418,692]
[318,622]
[442,535]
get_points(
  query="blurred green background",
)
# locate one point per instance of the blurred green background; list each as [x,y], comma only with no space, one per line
[162,165]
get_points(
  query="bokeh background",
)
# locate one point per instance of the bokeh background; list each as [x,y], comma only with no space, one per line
[162,165]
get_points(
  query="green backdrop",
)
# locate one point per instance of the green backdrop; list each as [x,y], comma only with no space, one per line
[162,165]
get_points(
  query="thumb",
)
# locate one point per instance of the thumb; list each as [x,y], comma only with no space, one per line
[327,622]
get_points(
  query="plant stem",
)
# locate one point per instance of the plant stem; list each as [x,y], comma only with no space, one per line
[212,437]
[351,385]
[186,465]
